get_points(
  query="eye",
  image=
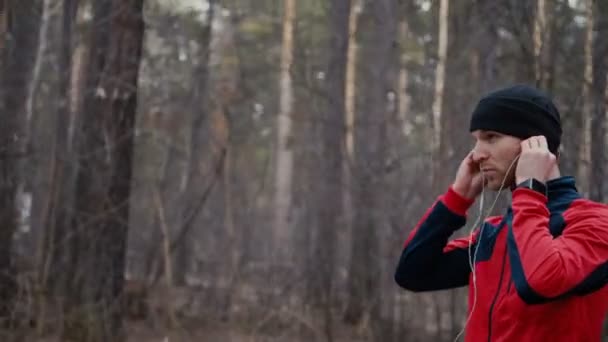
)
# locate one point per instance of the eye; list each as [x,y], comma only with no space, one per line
[491,137]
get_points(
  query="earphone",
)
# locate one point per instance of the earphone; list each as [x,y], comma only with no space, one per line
[471,233]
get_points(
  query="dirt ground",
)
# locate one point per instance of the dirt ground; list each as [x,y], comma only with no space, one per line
[222,333]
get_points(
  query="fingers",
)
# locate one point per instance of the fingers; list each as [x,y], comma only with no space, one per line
[542,142]
[535,142]
[472,163]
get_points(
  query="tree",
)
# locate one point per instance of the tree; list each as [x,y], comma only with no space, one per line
[584,157]
[485,52]
[332,133]
[284,153]
[103,179]
[18,29]
[379,24]
[52,247]
[598,98]
[438,97]
[543,56]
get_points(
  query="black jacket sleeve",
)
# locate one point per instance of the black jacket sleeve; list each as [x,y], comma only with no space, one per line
[429,261]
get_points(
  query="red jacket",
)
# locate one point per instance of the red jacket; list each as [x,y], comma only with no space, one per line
[541,268]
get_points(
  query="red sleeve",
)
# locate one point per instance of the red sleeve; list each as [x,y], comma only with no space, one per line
[545,266]
[454,202]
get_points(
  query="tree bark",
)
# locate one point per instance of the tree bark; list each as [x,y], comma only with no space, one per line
[485,52]
[166,238]
[103,180]
[403,98]
[542,43]
[351,75]
[438,98]
[284,153]
[332,133]
[19,42]
[350,92]
[52,258]
[599,100]
[379,24]
[584,157]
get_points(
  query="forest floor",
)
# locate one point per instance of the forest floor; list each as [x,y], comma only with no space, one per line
[217,332]
[225,333]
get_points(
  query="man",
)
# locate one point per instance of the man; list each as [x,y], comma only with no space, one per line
[540,269]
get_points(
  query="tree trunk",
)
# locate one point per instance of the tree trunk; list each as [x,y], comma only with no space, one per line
[349,111]
[103,181]
[197,170]
[332,134]
[3,30]
[522,24]
[584,157]
[485,50]
[351,75]
[39,132]
[193,190]
[19,43]
[233,236]
[439,94]
[52,257]
[403,97]
[599,100]
[166,240]
[284,153]
[379,29]
[539,30]
[543,61]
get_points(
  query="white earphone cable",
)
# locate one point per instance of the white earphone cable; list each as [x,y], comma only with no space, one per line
[471,233]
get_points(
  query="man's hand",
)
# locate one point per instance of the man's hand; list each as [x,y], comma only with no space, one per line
[535,161]
[469,180]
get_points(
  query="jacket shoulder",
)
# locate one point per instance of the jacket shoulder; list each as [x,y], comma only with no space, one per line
[586,209]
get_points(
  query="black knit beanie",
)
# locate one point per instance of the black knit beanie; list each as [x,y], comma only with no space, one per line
[520,111]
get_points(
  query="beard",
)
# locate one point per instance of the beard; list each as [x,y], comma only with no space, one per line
[499,181]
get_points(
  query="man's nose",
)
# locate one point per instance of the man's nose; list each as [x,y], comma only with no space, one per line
[479,155]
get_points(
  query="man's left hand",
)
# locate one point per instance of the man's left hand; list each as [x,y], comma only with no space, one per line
[535,161]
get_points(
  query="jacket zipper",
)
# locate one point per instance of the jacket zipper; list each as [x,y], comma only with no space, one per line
[502,270]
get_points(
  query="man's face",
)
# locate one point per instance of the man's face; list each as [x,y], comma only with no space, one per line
[494,153]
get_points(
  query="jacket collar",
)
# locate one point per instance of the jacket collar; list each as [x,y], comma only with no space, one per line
[561,192]
[562,188]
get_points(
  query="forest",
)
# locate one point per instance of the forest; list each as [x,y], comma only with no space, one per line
[249,170]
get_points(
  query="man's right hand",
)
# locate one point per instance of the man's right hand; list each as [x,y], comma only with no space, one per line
[469,180]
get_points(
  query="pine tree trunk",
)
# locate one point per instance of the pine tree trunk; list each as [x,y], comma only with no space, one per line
[349,112]
[284,153]
[438,98]
[485,54]
[403,81]
[105,146]
[584,157]
[19,38]
[332,133]
[379,24]
[599,100]
[539,28]
[52,257]
[197,170]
